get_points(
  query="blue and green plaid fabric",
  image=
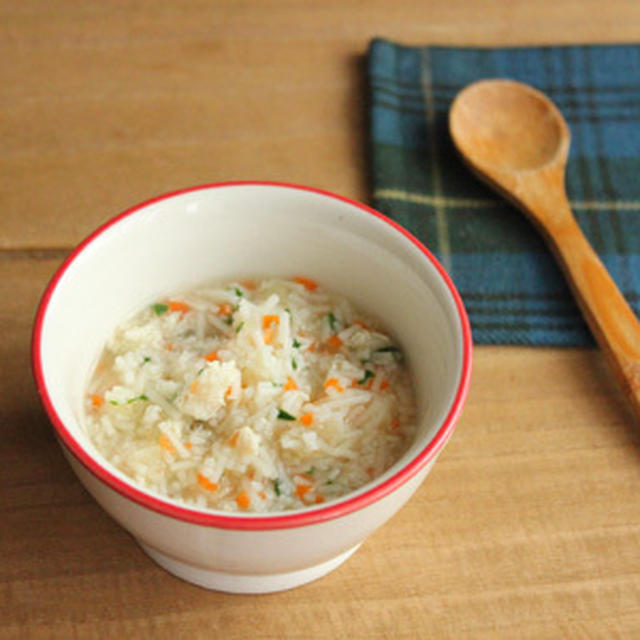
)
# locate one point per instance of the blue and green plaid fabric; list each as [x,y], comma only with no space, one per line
[511,286]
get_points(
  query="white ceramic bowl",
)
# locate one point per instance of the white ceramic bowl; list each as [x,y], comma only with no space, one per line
[214,232]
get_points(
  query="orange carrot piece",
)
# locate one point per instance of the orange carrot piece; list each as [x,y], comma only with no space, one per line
[319,499]
[182,307]
[267,335]
[248,284]
[224,309]
[302,490]
[291,384]
[228,392]
[307,419]
[233,441]
[311,347]
[243,500]
[169,346]
[188,445]
[334,342]
[166,444]
[263,495]
[193,387]
[211,356]
[205,483]
[310,285]
[268,320]
[96,400]
[384,385]
[333,382]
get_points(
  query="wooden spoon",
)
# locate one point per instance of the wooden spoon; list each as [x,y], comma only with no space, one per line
[516,140]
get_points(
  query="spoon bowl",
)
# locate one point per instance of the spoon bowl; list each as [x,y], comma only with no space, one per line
[508,126]
[515,139]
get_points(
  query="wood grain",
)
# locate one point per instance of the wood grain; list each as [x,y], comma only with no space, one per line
[105,105]
[529,525]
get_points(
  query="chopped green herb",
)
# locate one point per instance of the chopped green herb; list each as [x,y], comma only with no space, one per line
[115,403]
[228,320]
[283,415]
[294,365]
[276,487]
[394,351]
[277,384]
[199,372]
[159,309]
[239,327]
[296,344]
[332,321]
[367,374]
[140,397]
[146,359]
[311,471]
[287,310]
[329,481]
[389,349]
[239,292]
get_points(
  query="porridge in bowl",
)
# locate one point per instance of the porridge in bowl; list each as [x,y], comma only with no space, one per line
[252,396]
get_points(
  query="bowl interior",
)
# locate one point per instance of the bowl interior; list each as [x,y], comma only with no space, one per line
[221,232]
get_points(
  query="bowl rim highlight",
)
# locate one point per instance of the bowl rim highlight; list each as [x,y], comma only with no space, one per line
[253,522]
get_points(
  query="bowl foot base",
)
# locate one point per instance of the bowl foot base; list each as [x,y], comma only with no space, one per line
[242,583]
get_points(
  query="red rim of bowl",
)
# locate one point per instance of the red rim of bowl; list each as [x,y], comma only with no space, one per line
[248,521]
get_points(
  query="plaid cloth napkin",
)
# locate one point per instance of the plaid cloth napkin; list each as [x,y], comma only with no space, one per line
[510,284]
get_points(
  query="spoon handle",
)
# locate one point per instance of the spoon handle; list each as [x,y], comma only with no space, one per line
[611,320]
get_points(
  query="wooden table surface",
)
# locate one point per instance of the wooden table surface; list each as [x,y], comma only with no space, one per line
[529,525]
